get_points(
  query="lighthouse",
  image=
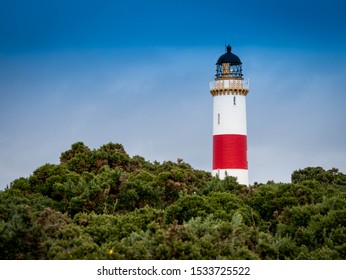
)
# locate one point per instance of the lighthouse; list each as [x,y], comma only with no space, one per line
[229,91]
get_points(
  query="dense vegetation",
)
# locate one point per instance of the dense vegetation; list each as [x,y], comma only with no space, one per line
[104,204]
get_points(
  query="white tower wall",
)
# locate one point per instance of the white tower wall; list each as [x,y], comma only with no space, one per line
[229,114]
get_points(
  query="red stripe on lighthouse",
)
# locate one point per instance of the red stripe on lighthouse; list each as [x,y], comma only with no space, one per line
[229,151]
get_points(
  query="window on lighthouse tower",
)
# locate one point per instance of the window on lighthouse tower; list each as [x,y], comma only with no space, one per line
[234,100]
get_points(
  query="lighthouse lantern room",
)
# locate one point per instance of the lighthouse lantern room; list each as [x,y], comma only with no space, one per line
[229,90]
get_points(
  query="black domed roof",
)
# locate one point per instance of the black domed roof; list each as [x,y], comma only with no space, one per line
[228,57]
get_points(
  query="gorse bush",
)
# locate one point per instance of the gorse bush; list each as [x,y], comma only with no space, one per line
[105,204]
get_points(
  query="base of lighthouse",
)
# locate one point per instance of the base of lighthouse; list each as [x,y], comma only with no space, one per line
[242,175]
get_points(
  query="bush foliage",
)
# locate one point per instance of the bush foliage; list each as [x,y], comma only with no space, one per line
[104,204]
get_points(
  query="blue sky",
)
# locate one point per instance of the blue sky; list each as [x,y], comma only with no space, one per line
[138,72]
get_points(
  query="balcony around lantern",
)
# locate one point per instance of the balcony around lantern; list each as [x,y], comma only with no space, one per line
[229,85]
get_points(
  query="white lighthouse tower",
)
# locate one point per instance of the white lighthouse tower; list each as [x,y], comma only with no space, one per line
[229,90]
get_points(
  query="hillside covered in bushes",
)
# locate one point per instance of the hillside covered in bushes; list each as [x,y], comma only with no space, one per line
[104,204]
